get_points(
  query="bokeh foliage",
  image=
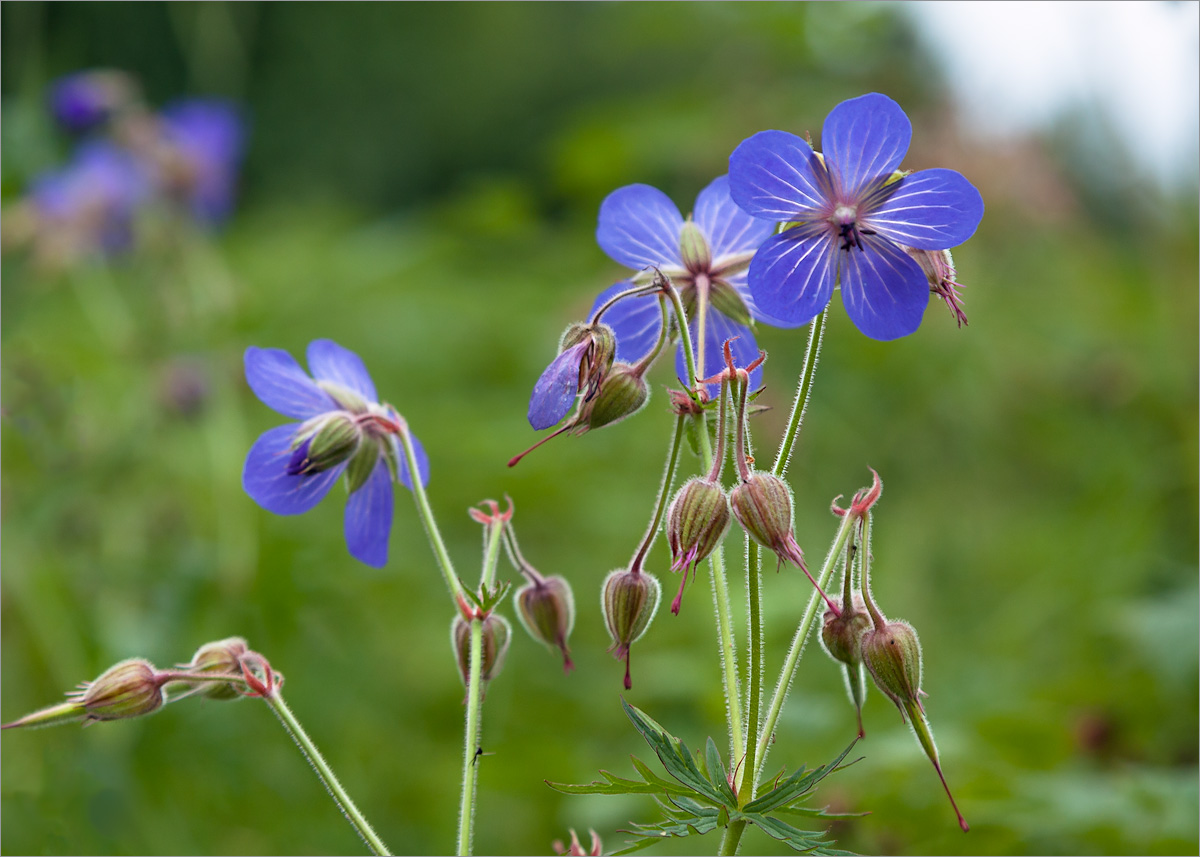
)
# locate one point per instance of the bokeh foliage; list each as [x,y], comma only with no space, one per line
[421,186]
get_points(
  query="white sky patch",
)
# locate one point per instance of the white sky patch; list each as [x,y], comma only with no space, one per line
[1015,67]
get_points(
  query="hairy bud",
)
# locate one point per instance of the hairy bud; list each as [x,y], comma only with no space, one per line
[324,442]
[842,633]
[629,600]
[131,688]
[623,393]
[546,608]
[763,506]
[696,522]
[497,634]
[223,656]
[892,653]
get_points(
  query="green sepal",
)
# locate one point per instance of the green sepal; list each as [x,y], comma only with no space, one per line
[361,466]
[487,598]
[725,299]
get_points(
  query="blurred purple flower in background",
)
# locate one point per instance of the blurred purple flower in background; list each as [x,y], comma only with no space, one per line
[89,204]
[290,468]
[204,138]
[706,259]
[851,218]
[85,99]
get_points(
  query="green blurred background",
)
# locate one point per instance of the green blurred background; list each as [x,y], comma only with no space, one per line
[421,185]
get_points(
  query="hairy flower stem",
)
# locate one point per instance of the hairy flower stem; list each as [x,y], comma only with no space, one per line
[663,492]
[729,670]
[803,391]
[426,514]
[797,648]
[292,726]
[749,783]
[689,356]
[472,749]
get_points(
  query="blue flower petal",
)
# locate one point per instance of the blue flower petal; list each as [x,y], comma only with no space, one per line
[864,140]
[369,517]
[639,226]
[331,362]
[777,176]
[929,210]
[792,275]
[635,321]
[405,476]
[266,480]
[718,329]
[279,382]
[884,291]
[556,389]
[728,228]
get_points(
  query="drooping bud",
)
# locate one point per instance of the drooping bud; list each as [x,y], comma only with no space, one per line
[497,634]
[131,688]
[601,338]
[223,656]
[893,655]
[629,599]
[939,269]
[546,608]
[623,393]
[324,442]
[697,520]
[763,506]
[842,633]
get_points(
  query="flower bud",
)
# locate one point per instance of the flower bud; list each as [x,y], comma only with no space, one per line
[223,656]
[629,600]
[763,506]
[546,608]
[324,442]
[843,632]
[893,655]
[696,522]
[128,689]
[623,392]
[497,634]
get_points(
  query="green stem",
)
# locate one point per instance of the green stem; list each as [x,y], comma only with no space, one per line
[733,835]
[803,391]
[474,721]
[426,513]
[729,670]
[749,782]
[689,356]
[292,726]
[793,657]
[663,491]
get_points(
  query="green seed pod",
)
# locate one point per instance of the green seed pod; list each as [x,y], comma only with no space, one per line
[696,522]
[546,608]
[893,656]
[623,392]
[763,506]
[128,689]
[629,600]
[497,634]
[223,656]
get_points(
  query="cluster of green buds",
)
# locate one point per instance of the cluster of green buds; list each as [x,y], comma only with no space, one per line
[357,435]
[858,635]
[225,669]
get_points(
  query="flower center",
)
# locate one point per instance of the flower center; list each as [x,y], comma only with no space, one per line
[845,220]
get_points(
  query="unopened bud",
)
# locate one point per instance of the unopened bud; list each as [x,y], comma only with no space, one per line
[497,634]
[763,506]
[893,655]
[843,632]
[323,443]
[546,608]
[223,656]
[128,689]
[623,393]
[629,600]
[696,522]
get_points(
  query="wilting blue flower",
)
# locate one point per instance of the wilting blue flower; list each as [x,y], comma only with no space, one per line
[206,137]
[345,430]
[84,99]
[89,204]
[706,259]
[851,216]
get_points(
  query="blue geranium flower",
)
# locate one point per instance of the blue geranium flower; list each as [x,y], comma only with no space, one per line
[206,137]
[706,258]
[851,218]
[84,99]
[345,430]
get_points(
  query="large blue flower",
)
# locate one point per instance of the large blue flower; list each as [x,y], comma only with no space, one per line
[851,217]
[706,258]
[345,430]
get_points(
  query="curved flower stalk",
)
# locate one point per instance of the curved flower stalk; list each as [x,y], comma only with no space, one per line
[852,219]
[705,256]
[345,431]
